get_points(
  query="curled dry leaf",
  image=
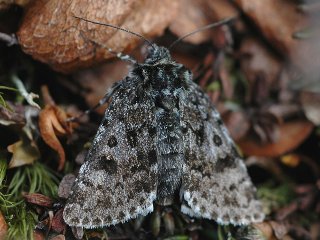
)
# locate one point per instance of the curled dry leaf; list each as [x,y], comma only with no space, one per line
[57,224]
[50,126]
[291,135]
[38,199]
[53,122]
[3,227]
[24,152]
[50,33]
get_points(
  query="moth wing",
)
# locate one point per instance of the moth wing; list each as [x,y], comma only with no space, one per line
[215,184]
[117,182]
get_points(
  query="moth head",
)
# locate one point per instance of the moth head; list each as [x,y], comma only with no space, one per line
[157,55]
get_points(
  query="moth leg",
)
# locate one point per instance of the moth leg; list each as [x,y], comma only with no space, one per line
[102,101]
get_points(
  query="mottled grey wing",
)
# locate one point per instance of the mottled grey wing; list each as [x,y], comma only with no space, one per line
[117,182]
[215,183]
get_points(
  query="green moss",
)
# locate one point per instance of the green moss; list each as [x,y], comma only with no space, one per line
[21,222]
[33,178]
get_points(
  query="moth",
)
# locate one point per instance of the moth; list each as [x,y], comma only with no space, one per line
[161,137]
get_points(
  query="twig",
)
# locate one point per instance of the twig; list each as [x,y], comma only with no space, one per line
[10,39]
[27,96]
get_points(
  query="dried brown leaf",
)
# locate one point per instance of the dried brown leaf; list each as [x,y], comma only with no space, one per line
[3,227]
[279,229]
[37,235]
[266,230]
[50,33]
[277,20]
[315,231]
[57,223]
[237,123]
[38,199]
[291,135]
[49,126]
[190,18]
[58,237]
[24,152]
[52,123]
[195,14]
[260,66]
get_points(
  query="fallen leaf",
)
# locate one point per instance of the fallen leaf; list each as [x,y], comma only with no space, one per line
[193,15]
[260,66]
[265,229]
[276,24]
[291,135]
[190,18]
[58,237]
[53,122]
[49,127]
[3,227]
[77,232]
[24,152]
[57,224]
[38,199]
[237,124]
[279,229]
[315,231]
[50,33]
[37,235]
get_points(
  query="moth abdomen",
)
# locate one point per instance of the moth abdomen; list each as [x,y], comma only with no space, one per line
[169,148]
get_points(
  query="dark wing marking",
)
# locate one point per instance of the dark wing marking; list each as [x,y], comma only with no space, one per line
[215,184]
[117,182]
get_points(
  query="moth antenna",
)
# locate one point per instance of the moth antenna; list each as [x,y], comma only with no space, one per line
[123,57]
[116,27]
[212,25]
